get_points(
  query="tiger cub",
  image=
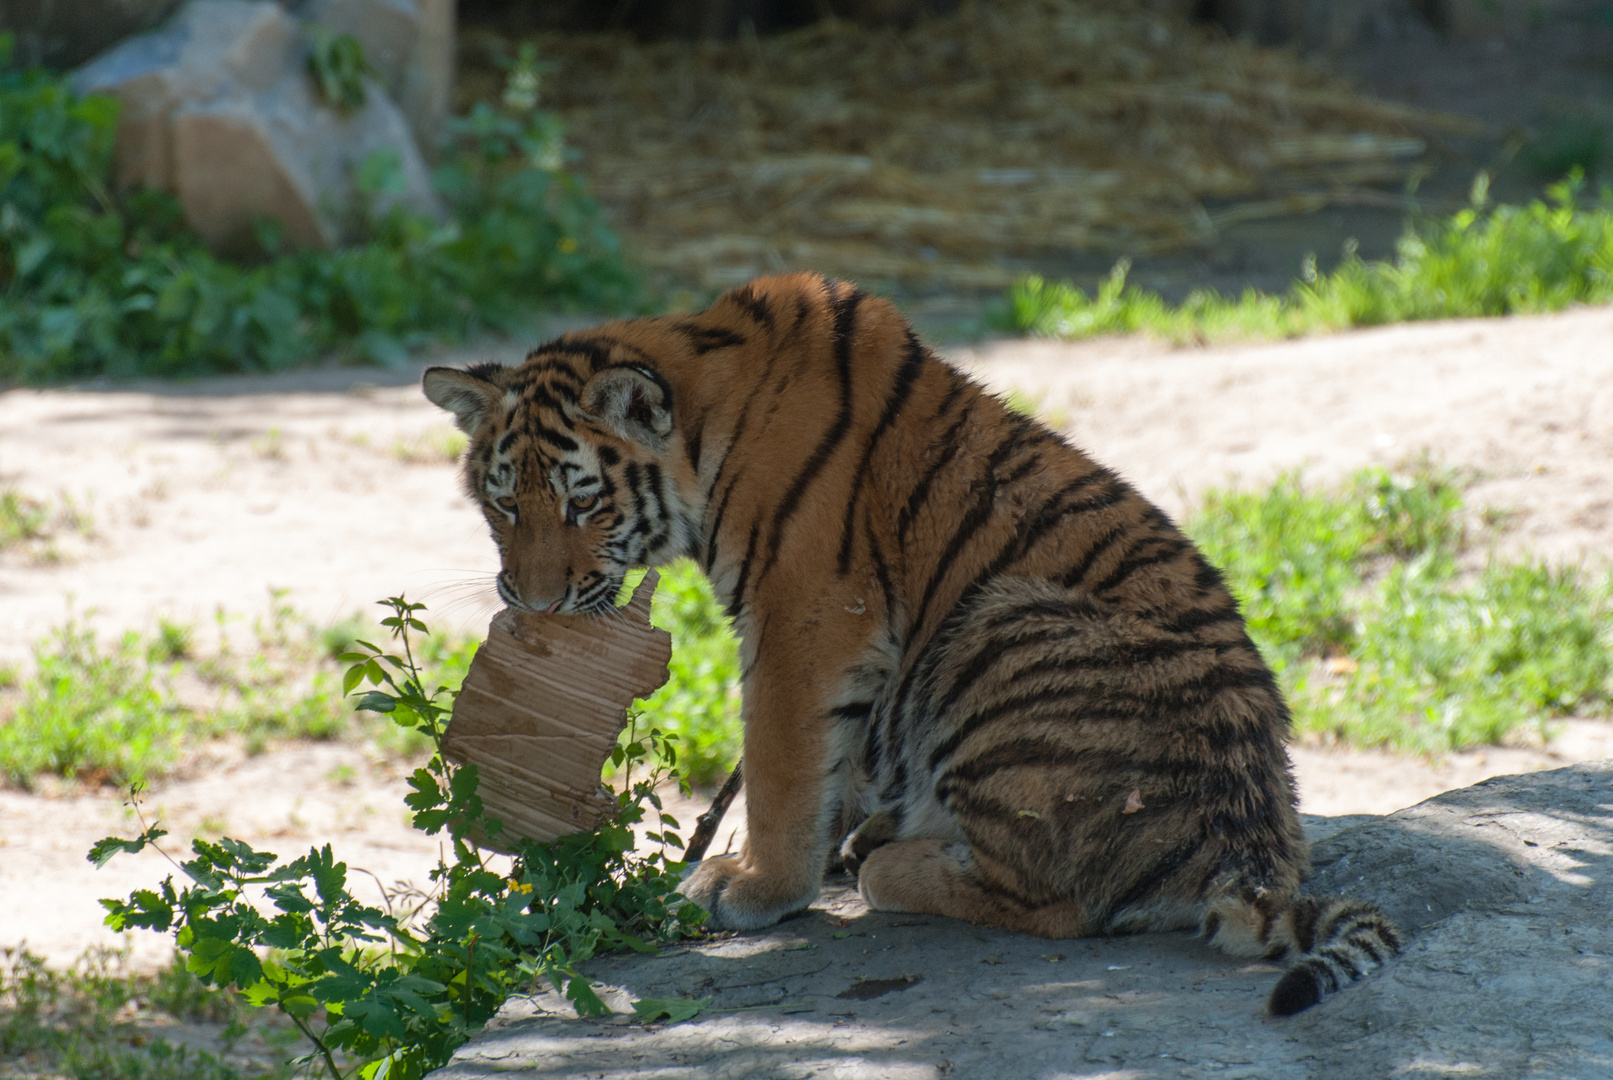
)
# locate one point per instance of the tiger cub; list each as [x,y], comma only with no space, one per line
[979,668]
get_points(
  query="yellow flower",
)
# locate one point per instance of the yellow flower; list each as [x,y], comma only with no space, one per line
[567,245]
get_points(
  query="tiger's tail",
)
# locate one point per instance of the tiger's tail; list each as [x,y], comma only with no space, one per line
[1332,941]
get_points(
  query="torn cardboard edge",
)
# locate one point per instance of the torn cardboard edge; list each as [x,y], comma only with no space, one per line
[541,709]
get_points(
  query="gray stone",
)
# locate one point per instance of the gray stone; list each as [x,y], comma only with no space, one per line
[1504,889]
[219,109]
[410,43]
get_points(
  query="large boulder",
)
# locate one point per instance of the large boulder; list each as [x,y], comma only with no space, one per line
[410,43]
[219,108]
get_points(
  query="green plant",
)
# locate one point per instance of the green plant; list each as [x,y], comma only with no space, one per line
[395,992]
[172,642]
[1296,557]
[438,446]
[1485,260]
[94,282]
[33,525]
[339,68]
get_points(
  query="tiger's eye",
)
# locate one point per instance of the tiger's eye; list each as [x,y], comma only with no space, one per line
[584,502]
[505,503]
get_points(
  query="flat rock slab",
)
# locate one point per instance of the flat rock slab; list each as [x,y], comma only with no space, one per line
[1505,890]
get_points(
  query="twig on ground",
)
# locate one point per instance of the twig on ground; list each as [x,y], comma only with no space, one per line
[705,826]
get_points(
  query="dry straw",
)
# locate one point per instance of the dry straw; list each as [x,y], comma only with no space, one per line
[938,156]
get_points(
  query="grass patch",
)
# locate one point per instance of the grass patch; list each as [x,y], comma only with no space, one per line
[21,519]
[437,446]
[1483,261]
[91,712]
[128,711]
[94,282]
[33,526]
[96,1021]
[1354,598]
[700,702]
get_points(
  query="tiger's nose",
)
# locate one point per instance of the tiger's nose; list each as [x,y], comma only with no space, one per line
[511,595]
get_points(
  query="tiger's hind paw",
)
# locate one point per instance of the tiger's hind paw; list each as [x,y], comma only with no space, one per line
[874,833]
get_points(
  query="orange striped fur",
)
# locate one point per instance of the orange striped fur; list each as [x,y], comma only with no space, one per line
[979,668]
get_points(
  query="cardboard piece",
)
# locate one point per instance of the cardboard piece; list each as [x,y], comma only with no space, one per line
[542,706]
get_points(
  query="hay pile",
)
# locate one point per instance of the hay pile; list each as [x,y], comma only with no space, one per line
[953,155]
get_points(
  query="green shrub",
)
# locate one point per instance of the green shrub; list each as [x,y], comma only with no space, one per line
[1485,260]
[97,283]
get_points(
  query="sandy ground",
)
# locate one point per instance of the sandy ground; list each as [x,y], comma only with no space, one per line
[326,484]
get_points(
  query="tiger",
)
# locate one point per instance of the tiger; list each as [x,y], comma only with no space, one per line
[979,670]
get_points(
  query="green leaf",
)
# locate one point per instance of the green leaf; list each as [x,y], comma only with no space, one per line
[375,701]
[676,1010]
[109,846]
[583,998]
[330,877]
[245,968]
[289,898]
[378,1017]
[426,793]
[144,909]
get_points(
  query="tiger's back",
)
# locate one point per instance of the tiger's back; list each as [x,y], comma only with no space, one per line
[982,666]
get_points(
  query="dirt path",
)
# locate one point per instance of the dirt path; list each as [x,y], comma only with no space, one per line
[332,485]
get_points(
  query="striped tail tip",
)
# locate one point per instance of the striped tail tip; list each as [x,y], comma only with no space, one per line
[1300,987]
[1354,939]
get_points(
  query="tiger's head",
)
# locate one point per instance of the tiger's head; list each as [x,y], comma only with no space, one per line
[570,462]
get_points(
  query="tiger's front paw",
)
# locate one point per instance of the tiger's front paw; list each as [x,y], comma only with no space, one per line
[738,898]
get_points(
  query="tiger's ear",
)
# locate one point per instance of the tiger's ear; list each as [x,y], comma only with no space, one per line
[466,394]
[633,402]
